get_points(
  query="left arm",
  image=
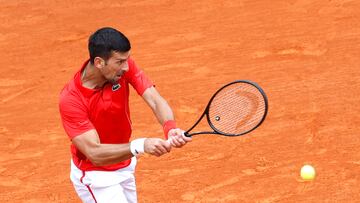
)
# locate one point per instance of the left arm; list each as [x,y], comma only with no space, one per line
[163,113]
[158,105]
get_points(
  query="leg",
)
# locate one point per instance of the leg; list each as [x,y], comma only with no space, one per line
[129,188]
[105,187]
[111,194]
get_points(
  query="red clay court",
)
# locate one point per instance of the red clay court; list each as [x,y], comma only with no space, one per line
[304,53]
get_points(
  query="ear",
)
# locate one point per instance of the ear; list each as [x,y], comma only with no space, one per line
[99,62]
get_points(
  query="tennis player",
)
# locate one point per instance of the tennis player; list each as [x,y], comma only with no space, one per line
[94,109]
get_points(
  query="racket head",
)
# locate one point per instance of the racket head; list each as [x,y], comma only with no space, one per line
[237,108]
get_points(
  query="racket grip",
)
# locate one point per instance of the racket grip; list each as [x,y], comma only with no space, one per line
[186,134]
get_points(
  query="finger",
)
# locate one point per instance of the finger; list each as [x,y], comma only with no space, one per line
[176,141]
[186,138]
[158,152]
[167,144]
[179,139]
[170,142]
[162,149]
[153,152]
[182,140]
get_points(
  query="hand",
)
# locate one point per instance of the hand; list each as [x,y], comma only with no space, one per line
[156,146]
[177,138]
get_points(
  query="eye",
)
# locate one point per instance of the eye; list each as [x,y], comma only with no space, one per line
[121,62]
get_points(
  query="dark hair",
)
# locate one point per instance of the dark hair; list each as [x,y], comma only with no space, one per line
[106,40]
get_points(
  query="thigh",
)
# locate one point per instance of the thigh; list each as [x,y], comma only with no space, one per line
[85,193]
[83,190]
[101,186]
[123,192]
[129,189]
[111,194]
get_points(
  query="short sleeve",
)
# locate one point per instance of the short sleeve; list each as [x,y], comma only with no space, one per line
[137,78]
[74,117]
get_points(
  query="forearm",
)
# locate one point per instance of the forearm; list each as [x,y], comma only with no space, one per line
[162,111]
[158,105]
[106,154]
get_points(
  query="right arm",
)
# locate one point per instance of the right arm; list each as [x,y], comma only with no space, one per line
[86,139]
[104,154]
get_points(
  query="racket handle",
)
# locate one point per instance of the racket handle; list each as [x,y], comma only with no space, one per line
[186,134]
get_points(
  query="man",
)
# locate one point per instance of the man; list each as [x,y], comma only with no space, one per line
[94,109]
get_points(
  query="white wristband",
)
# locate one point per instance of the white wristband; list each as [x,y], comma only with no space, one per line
[137,146]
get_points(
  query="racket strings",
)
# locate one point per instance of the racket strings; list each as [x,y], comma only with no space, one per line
[236,109]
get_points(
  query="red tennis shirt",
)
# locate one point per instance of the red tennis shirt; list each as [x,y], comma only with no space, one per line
[106,110]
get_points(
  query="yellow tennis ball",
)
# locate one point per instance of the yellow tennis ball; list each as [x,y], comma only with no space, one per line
[307,172]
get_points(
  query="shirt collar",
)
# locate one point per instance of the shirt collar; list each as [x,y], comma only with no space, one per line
[77,78]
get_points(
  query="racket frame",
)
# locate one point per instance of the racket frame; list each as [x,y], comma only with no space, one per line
[206,112]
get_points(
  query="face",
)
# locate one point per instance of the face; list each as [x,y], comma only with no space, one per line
[115,66]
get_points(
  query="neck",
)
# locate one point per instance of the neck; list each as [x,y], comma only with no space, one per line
[92,78]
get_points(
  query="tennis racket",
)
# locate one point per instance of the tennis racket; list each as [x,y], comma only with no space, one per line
[235,109]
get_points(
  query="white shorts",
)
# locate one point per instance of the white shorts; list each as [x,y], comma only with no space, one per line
[105,186]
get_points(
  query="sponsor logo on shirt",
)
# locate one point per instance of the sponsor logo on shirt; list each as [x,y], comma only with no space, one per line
[115,87]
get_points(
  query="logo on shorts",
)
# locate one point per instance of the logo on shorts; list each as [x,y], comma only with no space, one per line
[115,87]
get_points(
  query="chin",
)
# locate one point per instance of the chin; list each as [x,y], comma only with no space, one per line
[114,81]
